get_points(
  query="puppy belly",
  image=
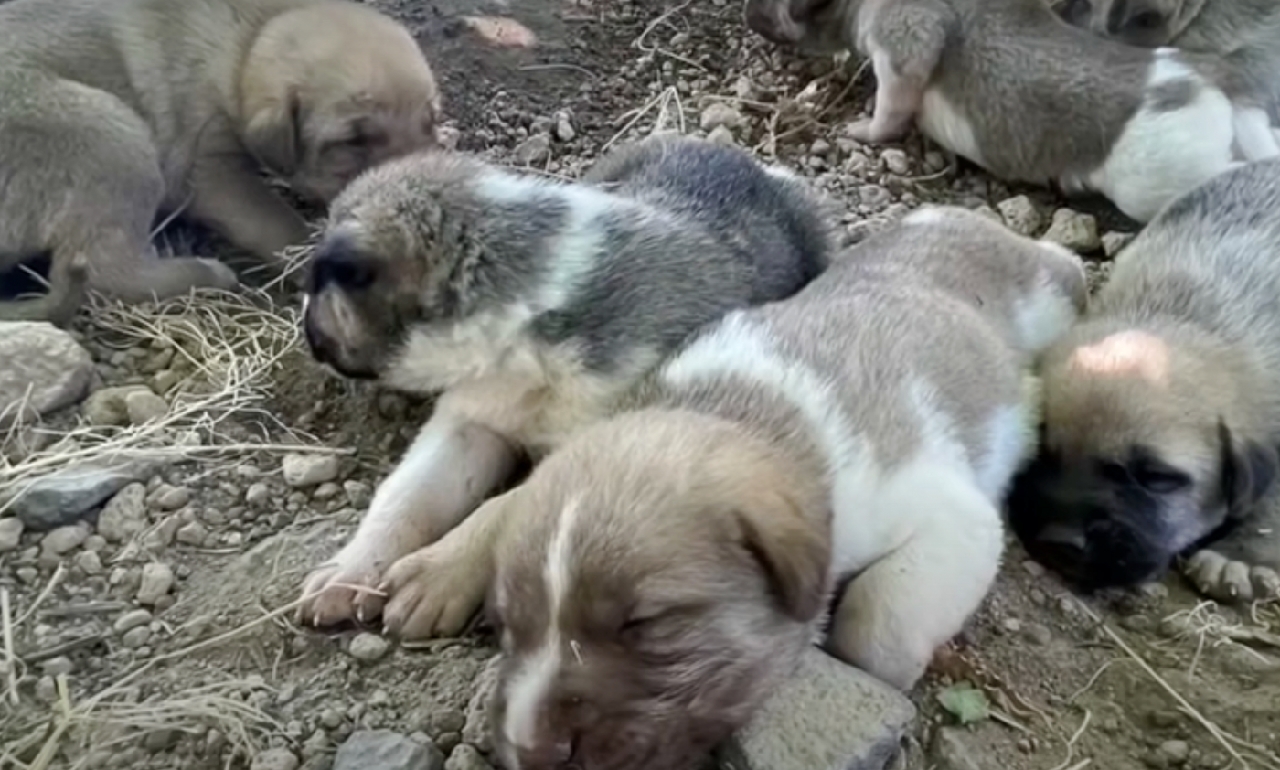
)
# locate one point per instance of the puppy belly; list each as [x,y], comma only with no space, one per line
[945,123]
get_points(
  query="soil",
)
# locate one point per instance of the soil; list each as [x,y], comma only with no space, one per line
[222,679]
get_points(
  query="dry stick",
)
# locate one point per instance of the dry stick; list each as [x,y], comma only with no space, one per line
[44,594]
[1075,738]
[10,654]
[1224,739]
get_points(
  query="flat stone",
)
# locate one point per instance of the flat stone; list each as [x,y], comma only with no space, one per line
[42,369]
[827,716]
[386,750]
[308,470]
[10,533]
[1076,231]
[67,495]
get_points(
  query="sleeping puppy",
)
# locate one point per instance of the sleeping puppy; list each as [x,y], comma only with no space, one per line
[530,306]
[1212,26]
[663,567]
[112,111]
[1012,88]
[1162,408]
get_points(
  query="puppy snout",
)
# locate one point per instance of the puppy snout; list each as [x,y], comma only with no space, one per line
[1062,545]
[337,262]
[552,754]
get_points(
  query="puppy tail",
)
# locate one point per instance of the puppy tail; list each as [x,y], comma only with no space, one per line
[67,293]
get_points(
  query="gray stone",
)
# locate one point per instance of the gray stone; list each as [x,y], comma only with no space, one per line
[274,759]
[827,716]
[1021,215]
[89,562]
[950,750]
[143,406]
[64,539]
[466,757]
[386,750]
[535,149]
[719,114]
[131,620]
[10,534]
[309,470]
[67,495]
[124,515]
[896,161]
[109,405]
[1076,231]
[157,580]
[476,729]
[368,647]
[42,369]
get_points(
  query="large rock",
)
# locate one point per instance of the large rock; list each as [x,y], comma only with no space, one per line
[42,369]
[386,750]
[68,495]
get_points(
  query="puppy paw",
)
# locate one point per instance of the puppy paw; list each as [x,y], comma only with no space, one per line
[344,589]
[867,131]
[1223,579]
[220,275]
[433,592]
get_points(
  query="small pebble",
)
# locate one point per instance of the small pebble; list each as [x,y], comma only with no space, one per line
[64,539]
[301,470]
[131,619]
[368,647]
[157,580]
[10,534]
[275,759]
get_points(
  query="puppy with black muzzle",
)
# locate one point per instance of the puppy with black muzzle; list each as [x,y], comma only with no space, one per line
[661,569]
[530,306]
[1162,408]
[1015,90]
[113,112]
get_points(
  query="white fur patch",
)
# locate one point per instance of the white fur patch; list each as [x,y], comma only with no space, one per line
[944,122]
[1162,154]
[926,215]
[1044,315]
[1255,139]
[1011,436]
[780,172]
[533,681]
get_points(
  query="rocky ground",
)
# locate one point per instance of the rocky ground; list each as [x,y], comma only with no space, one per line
[145,604]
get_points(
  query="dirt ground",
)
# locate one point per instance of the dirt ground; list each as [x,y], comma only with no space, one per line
[214,674]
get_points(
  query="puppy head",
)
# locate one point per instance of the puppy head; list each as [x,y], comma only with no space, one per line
[1145,23]
[1144,454]
[657,571]
[1035,288]
[816,27]
[331,89]
[385,262]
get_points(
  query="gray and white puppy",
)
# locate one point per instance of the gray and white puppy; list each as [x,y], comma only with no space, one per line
[661,569]
[531,306]
[1014,89]
[113,112]
[1162,408]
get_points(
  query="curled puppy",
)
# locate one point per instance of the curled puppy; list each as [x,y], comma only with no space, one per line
[1162,408]
[1012,88]
[107,118]
[658,572]
[531,306]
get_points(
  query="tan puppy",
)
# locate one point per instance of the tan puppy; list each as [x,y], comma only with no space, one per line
[660,569]
[1012,88]
[112,111]
[531,307]
[1162,408]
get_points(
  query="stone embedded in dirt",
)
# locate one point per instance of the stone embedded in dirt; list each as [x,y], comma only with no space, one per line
[68,495]
[476,729]
[828,714]
[170,498]
[42,369]
[88,562]
[124,515]
[950,750]
[1113,242]
[143,406]
[11,529]
[719,114]
[535,149]
[896,161]
[1076,231]
[108,406]
[368,647]
[309,470]
[131,620]
[466,757]
[64,539]
[1021,215]
[157,580]
[274,759]
[386,750]
[501,31]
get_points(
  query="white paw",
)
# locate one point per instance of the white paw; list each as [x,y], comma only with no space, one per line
[862,132]
[343,589]
[1225,580]
[432,593]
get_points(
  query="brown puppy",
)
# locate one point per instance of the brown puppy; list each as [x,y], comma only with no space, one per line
[1162,408]
[112,111]
[662,567]
[1012,88]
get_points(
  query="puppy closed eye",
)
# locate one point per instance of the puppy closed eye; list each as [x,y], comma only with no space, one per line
[1146,21]
[1154,478]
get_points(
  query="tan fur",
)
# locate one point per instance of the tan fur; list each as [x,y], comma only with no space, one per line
[1162,409]
[114,111]
[674,558]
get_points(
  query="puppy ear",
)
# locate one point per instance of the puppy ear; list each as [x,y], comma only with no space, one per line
[1248,470]
[273,133]
[789,548]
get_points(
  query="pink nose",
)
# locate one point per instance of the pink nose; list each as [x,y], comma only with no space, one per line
[551,755]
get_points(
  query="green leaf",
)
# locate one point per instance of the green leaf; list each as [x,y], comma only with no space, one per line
[966,703]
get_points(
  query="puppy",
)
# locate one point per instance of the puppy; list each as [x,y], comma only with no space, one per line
[1012,88]
[663,567]
[1162,408]
[530,306]
[58,304]
[1217,26]
[112,111]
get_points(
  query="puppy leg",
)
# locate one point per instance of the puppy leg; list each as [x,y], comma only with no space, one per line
[894,616]
[450,468]
[434,591]
[125,266]
[68,290]
[1245,566]
[233,199]
[904,44]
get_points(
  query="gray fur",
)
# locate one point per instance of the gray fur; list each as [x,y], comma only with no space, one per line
[1200,283]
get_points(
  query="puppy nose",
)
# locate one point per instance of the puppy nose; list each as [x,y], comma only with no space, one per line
[338,262]
[550,755]
[1061,544]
